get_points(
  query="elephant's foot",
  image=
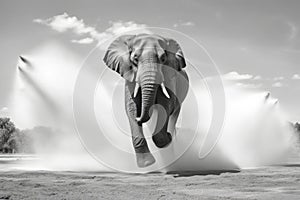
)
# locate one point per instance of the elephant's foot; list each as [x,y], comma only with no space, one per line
[144,159]
[162,139]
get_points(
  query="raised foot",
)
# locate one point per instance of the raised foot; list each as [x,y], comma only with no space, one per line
[144,159]
[162,139]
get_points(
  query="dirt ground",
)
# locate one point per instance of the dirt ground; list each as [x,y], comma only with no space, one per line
[276,182]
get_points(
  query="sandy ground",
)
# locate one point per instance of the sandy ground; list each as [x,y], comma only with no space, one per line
[276,182]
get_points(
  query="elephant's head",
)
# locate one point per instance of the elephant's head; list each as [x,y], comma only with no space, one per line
[143,59]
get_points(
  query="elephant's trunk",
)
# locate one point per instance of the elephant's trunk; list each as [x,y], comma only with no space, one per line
[150,79]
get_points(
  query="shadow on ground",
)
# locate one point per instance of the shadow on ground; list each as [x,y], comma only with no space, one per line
[200,173]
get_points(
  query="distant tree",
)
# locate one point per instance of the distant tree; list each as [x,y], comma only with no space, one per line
[5,123]
[7,128]
[12,145]
[7,149]
[13,140]
[2,137]
[297,127]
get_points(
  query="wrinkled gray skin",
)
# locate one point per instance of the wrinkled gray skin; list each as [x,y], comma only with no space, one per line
[153,70]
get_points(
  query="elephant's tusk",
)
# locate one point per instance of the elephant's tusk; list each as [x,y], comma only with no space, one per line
[136,89]
[165,90]
[139,119]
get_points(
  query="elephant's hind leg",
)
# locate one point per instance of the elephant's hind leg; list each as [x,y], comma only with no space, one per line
[173,120]
[161,137]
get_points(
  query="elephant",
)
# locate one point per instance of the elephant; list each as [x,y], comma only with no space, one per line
[153,69]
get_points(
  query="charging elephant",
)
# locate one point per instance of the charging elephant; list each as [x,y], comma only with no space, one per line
[152,67]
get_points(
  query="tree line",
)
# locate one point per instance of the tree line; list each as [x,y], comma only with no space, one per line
[13,140]
[297,127]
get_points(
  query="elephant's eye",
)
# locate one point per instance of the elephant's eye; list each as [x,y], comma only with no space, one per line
[163,58]
[134,59]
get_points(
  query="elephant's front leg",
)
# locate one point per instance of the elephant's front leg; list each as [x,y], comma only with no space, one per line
[132,105]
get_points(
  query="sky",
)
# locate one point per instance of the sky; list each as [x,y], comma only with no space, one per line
[256,44]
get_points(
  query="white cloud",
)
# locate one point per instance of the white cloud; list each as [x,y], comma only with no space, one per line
[280,78]
[277,84]
[257,78]
[248,85]
[243,80]
[181,23]
[188,24]
[64,22]
[121,27]
[83,41]
[296,77]
[235,76]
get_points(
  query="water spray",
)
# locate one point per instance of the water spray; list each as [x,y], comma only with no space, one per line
[24,59]
[47,100]
[23,62]
[267,96]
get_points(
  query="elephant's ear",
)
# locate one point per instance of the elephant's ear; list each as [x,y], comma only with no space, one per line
[173,48]
[117,57]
